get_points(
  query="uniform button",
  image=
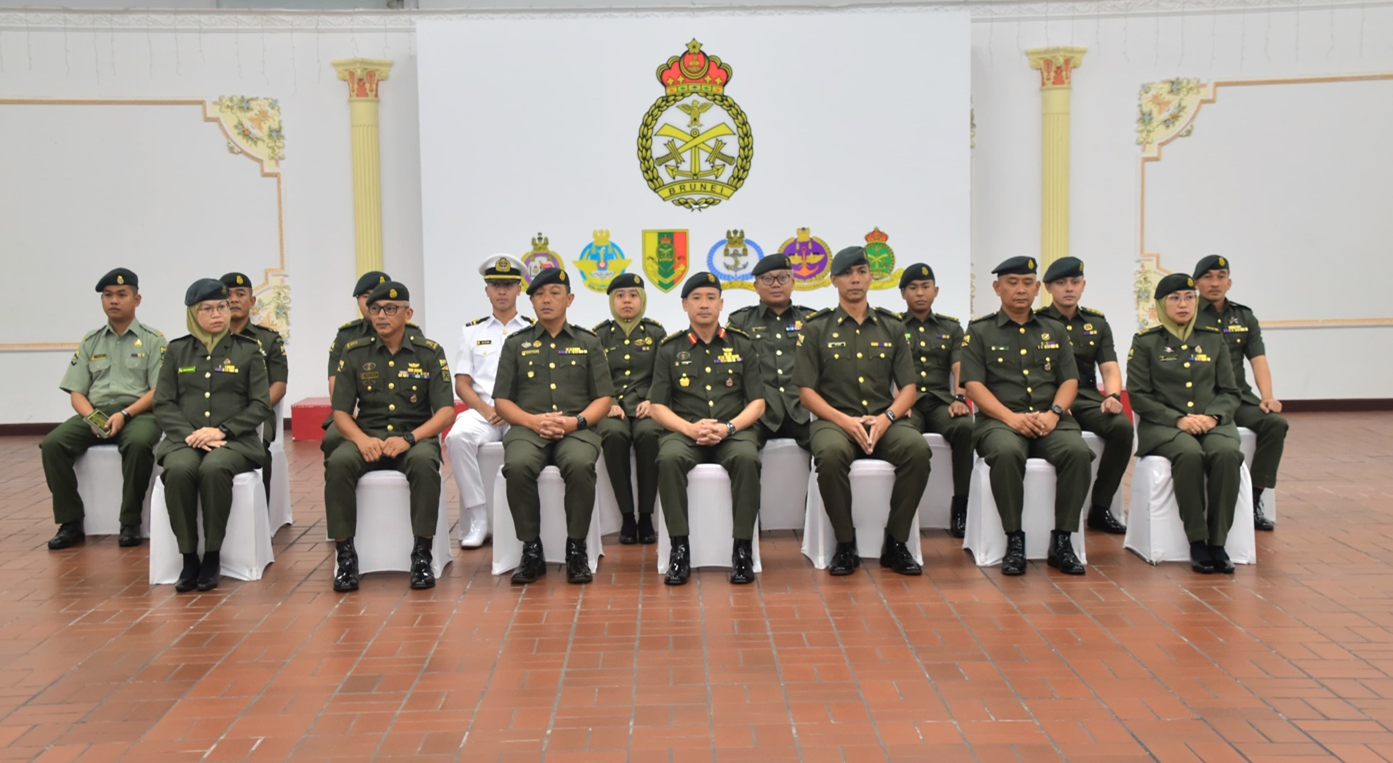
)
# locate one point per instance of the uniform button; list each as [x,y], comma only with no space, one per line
[922,343]
[1032,407]
[1022,350]
[1189,385]
[781,389]
[207,394]
[858,354]
[1184,346]
[553,385]
[391,385]
[923,373]
[1028,389]
[708,388]
[626,357]
[207,414]
[1238,341]
[861,379]
[1069,328]
[1001,360]
[207,374]
[392,407]
[207,357]
[553,408]
[921,329]
[1187,365]
[923,358]
[627,372]
[391,364]
[389,427]
[1190,404]
[863,402]
[551,365]
[626,341]
[553,345]
[1026,372]
[1022,329]
[708,369]
[778,336]
[778,352]
[711,403]
[621,397]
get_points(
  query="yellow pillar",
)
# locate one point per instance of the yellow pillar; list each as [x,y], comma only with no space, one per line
[1056,66]
[363,76]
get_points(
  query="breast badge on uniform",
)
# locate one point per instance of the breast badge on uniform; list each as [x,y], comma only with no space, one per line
[810,257]
[665,257]
[600,261]
[687,164]
[733,258]
[539,258]
[880,258]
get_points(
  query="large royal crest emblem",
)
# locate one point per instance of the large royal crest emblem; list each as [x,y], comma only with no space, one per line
[540,258]
[665,257]
[695,146]
[810,257]
[732,258]
[600,261]
[880,258]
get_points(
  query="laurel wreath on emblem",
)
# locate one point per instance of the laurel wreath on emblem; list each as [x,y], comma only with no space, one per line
[743,135]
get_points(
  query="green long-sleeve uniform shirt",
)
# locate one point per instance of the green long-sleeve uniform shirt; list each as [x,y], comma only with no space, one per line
[775,336]
[223,388]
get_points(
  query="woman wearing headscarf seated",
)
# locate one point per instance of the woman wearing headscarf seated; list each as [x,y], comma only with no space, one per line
[211,396]
[1182,389]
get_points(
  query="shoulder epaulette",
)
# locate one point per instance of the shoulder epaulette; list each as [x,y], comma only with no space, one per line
[1150,330]
[92,333]
[1204,327]
[582,329]
[477,321]
[1240,306]
[981,318]
[1091,311]
[891,313]
[646,319]
[528,318]
[245,338]
[412,325]
[673,336]
[736,331]
[952,318]
[596,328]
[424,342]
[362,341]
[351,324]
[741,311]
[802,309]
[826,311]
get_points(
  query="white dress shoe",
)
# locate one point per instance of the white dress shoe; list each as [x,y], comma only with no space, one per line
[478,529]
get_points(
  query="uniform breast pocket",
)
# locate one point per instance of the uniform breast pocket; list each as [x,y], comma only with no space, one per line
[369,384]
[1045,362]
[136,360]
[98,366]
[228,382]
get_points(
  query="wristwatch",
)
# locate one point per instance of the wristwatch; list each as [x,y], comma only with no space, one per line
[1056,410]
[889,414]
[410,438]
[225,431]
[1115,396]
[125,414]
[730,428]
[960,398]
[581,423]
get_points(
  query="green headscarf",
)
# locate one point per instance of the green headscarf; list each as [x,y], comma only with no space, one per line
[1182,332]
[629,324]
[209,340]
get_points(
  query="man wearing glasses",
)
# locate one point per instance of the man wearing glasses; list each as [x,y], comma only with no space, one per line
[111,382]
[240,302]
[399,383]
[775,325]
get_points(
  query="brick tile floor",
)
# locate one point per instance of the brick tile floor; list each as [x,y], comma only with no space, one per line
[1292,659]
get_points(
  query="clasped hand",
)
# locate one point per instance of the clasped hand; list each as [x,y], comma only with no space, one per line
[373,448]
[551,426]
[206,438]
[708,432]
[1034,424]
[1196,424]
[865,431]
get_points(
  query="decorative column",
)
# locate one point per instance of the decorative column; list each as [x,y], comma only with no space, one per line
[363,76]
[1056,67]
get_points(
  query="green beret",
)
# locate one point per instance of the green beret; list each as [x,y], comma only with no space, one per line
[848,258]
[916,272]
[235,280]
[770,262]
[370,281]
[1064,267]
[119,277]
[546,276]
[1173,283]
[501,267]
[389,290]
[700,280]
[625,281]
[1016,266]
[203,290]
[1212,262]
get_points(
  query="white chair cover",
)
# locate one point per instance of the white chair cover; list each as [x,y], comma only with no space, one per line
[246,549]
[783,489]
[985,537]
[1248,443]
[936,507]
[385,539]
[507,549]
[99,484]
[710,521]
[279,503]
[1095,444]
[607,506]
[872,480]
[1155,531]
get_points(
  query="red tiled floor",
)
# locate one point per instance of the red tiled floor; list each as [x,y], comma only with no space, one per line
[1292,659]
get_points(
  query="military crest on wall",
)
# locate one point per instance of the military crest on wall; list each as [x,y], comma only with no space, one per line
[539,258]
[665,257]
[810,258]
[732,258]
[600,261]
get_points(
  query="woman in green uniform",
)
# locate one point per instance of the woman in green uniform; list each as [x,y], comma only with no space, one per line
[211,396]
[1183,391]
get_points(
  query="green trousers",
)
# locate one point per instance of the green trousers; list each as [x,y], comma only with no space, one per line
[902,445]
[932,416]
[617,436]
[737,454]
[331,442]
[1117,432]
[136,443]
[1006,451]
[1271,429]
[1214,458]
[194,478]
[789,429]
[345,466]
[523,461]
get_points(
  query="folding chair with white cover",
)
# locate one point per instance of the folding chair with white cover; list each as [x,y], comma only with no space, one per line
[783,484]
[710,521]
[246,549]
[279,501]
[1154,528]
[1095,444]
[384,537]
[872,481]
[99,482]
[507,549]
[936,507]
[986,538]
[1248,443]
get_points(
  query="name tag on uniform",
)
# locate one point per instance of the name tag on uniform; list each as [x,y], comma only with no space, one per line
[187,369]
[484,341]
[99,357]
[531,352]
[1167,357]
[997,348]
[832,345]
[368,375]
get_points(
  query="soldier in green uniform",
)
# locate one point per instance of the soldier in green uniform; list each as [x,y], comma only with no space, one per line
[399,382]
[112,376]
[1097,412]
[1260,411]
[241,301]
[211,397]
[1019,369]
[850,361]
[631,342]
[708,393]
[552,382]
[775,325]
[1182,387]
[935,342]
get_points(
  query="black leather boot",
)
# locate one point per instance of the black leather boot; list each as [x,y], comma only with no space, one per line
[845,559]
[69,534]
[628,532]
[1061,554]
[188,577]
[646,534]
[957,524]
[1014,561]
[1200,559]
[1222,562]
[533,564]
[130,536]
[742,563]
[209,571]
[346,576]
[1101,518]
[679,564]
[422,575]
[577,562]
[896,556]
[1260,522]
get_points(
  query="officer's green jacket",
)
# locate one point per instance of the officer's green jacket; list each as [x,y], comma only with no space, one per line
[223,388]
[358,328]
[1168,378]
[1022,365]
[541,373]
[393,393]
[851,366]
[630,359]
[1092,339]
[1242,334]
[115,371]
[277,366]
[936,343]
[707,380]
[775,336]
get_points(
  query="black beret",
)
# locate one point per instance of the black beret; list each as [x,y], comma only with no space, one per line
[916,272]
[1212,262]
[625,281]
[1016,266]
[1173,283]
[203,290]
[848,258]
[119,277]
[699,280]
[546,276]
[501,267]
[369,281]
[389,290]
[236,280]
[1064,267]
[771,262]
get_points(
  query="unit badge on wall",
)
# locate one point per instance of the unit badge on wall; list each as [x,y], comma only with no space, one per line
[539,258]
[732,258]
[665,257]
[600,261]
[880,258]
[695,145]
[810,258]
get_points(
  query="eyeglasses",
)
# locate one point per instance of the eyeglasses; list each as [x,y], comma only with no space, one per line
[217,309]
[385,309]
[783,279]
[1181,296]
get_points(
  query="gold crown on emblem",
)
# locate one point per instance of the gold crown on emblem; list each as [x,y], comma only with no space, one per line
[120,279]
[392,293]
[539,244]
[382,279]
[601,238]
[735,239]
[877,236]
[502,265]
[805,235]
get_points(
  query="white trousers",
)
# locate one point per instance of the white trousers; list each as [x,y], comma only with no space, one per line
[462,443]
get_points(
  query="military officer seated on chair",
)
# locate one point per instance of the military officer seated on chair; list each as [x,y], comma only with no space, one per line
[707,392]
[241,301]
[552,384]
[110,383]
[1018,368]
[399,383]
[855,374]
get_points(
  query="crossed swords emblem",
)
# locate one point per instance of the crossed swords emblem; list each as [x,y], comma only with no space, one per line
[696,142]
